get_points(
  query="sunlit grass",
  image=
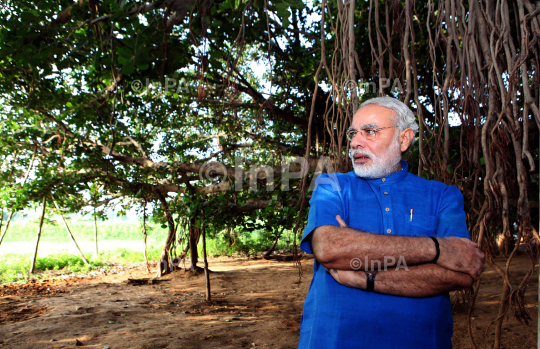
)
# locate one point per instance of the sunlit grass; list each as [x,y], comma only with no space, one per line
[15,267]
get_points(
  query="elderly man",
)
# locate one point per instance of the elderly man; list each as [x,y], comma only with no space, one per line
[388,245]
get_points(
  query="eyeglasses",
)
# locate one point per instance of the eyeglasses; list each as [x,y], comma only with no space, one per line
[369,133]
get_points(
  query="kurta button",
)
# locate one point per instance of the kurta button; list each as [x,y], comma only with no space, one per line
[387,209]
[384,179]
[388,231]
[385,193]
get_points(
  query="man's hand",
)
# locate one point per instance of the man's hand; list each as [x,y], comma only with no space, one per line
[349,278]
[461,254]
[341,222]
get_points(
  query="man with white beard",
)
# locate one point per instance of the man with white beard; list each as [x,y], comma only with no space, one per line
[388,245]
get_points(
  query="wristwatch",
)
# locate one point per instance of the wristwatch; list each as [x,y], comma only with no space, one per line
[370,281]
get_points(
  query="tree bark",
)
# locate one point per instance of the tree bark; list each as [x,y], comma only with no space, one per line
[33,265]
[274,244]
[194,235]
[164,267]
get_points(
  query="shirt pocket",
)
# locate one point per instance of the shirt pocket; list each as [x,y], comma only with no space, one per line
[420,225]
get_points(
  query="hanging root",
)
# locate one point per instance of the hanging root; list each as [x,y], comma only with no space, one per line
[519,307]
[517,297]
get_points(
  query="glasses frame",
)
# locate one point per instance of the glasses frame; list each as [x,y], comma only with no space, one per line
[351,133]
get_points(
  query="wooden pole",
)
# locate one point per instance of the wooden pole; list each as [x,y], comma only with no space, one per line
[145,237]
[206,274]
[95,232]
[69,231]
[33,265]
[7,225]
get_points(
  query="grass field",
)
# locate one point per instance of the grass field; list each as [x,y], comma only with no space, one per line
[83,231]
[118,242]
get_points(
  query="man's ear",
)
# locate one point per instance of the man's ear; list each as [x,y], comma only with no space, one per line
[406,138]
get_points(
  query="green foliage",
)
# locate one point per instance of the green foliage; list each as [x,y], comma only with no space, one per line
[15,267]
[65,261]
[247,243]
[55,67]
[124,255]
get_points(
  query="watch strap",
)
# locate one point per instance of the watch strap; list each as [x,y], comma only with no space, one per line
[370,282]
[438,250]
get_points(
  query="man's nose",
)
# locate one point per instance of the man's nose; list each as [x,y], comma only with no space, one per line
[358,141]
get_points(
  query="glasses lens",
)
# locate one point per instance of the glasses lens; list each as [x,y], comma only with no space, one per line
[370,133]
[351,134]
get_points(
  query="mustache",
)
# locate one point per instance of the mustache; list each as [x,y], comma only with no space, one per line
[354,152]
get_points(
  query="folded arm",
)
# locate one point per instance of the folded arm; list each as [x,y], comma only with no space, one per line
[335,248]
[338,248]
[424,280]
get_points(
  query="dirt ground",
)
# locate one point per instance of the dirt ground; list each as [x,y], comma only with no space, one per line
[255,303]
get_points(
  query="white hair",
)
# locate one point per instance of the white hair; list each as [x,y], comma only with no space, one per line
[404,116]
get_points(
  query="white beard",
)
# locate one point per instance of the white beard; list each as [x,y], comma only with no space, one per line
[381,165]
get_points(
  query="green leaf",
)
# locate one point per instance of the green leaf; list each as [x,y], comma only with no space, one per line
[224,6]
[143,66]
[128,68]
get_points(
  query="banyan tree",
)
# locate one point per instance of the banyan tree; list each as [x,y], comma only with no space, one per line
[214,115]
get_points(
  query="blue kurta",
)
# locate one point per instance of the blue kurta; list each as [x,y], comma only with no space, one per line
[340,317]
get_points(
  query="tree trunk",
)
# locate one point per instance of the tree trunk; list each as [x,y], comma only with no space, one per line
[233,231]
[194,235]
[229,237]
[206,274]
[505,244]
[95,233]
[33,265]
[7,225]
[164,267]
[274,244]
[69,232]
